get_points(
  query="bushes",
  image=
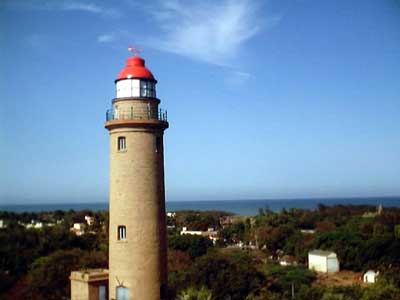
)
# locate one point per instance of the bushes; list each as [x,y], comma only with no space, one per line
[194,245]
[196,294]
[232,275]
[50,274]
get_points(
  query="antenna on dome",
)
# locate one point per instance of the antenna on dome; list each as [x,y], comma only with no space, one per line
[135,50]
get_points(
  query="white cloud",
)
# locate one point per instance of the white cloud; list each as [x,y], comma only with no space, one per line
[206,31]
[106,38]
[88,7]
[51,5]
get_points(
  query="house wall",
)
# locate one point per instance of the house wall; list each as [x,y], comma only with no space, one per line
[79,290]
[85,285]
[370,278]
[317,263]
[332,265]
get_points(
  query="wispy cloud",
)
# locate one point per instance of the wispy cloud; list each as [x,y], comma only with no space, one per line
[106,38]
[206,31]
[82,6]
[88,7]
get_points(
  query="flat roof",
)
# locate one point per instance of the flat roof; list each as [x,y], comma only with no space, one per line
[90,275]
[321,253]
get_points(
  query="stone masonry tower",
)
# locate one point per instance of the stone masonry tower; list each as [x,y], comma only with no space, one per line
[137,240]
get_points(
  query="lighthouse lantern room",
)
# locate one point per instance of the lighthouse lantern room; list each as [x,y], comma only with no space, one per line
[135,80]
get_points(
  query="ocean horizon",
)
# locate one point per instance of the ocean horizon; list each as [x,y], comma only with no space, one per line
[238,207]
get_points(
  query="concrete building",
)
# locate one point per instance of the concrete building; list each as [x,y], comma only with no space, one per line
[34,225]
[89,284]
[78,228]
[89,220]
[137,229]
[370,276]
[307,231]
[323,261]
[191,232]
[210,233]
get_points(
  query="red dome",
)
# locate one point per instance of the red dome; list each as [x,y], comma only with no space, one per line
[135,69]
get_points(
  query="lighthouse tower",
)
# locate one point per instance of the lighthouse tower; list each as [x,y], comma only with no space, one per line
[137,231]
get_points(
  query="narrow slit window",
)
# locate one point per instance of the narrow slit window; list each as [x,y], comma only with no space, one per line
[121,233]
[121,143]
[158,144]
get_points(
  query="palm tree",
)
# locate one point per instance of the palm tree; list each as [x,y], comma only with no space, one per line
[196,294]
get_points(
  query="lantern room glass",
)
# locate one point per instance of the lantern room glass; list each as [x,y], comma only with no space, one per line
[147,89]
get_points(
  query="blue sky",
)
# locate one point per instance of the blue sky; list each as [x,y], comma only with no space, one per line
[266,99]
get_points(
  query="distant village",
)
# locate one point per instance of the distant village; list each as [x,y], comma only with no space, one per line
[309,240]
[322,261]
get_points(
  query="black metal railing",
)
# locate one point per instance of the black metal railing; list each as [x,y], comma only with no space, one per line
[136,114]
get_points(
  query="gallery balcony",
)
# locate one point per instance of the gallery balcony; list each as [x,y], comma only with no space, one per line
[136,118]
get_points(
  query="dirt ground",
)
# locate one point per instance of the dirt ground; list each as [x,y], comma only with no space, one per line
[342,278]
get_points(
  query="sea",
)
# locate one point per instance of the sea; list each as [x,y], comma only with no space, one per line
[238,207]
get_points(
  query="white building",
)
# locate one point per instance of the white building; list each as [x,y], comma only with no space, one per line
[323,261]
[34,224]
[192,232]
[307,231]
[210,233]
[2,224]
[78,228]
[370,276]
[89,220]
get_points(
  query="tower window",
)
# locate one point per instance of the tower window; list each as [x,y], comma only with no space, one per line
[158,144]
[121,233]
[122,293]
[121,143]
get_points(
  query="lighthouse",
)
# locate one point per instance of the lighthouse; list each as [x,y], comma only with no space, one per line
[137,229]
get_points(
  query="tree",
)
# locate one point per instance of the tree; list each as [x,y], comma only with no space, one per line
[178,260]
[196,294]
[381,291]
[50,274]
[280,279]
[194,245]
[325,226]
[231,275]
[397,231]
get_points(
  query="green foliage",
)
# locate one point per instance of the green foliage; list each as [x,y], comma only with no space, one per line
[50,274]
[231,275]
[280,279]
[194,245]
[239,231]
[20,247]
[372,242]
[199,220]
[397,231]
[196,294]
[275,238]
[382,291]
